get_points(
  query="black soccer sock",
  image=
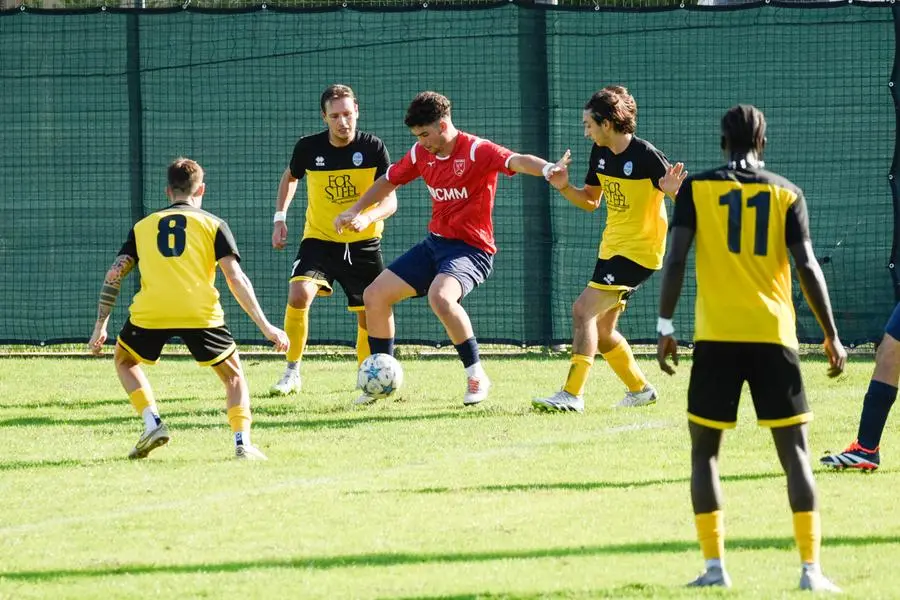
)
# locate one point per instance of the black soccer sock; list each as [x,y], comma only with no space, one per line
[468,352]
[876,407]
[381,345]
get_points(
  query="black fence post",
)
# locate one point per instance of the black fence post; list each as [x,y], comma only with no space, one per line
[135,120]
[894,83]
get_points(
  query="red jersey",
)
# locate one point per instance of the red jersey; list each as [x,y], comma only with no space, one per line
[462,187]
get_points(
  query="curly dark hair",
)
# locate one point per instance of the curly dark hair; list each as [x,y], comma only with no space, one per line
[614,104]
[427,108]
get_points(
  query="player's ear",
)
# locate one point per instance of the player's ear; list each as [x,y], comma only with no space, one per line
[763,144]
[200,190]
[169,193]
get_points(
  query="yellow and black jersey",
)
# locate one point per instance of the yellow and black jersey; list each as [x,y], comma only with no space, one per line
[335,180]
[177,249]
[635,212]
[744,221]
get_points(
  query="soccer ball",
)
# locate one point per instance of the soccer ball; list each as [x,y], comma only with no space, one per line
[380,375]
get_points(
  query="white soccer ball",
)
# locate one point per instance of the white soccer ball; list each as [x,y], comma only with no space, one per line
[380,375]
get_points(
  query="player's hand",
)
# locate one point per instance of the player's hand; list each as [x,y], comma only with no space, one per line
[279,235]
[277,337]
[98,338]
[667,346]
[837,356]
[360,222]
[558,174]
[343,220]
[672,180]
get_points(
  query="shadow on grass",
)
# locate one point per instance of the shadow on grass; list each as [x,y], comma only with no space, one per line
[45,464]
[578,486]
[80,404]
[408,558]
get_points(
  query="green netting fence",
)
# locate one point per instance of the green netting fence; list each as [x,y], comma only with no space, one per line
[94,104]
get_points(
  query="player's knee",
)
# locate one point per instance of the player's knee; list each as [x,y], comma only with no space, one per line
[581,310]
[441,303]
[301,296]
[373,296]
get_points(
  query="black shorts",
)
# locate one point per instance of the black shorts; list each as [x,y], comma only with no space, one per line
[209,346]
[621,274]
[772,371]
[354,266]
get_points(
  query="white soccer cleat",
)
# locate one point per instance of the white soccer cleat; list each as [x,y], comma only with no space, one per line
[561,401]
[248,452]
[712,577]
[477,387]
[149,441]
[289,383]
[813,580]
[645,397]
[364,400]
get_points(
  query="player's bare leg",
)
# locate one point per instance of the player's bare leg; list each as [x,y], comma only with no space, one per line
[590,305]
[444,295]
[706,498]
[301,294]
[140,393]
[792,445]
[237,400]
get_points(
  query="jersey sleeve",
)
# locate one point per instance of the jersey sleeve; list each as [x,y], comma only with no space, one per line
[496,157]
[658,166]
[685,212]
[225,244]
[298,160]
[382,160]
[404,171]
[796,227]
[590,178]
[129,248]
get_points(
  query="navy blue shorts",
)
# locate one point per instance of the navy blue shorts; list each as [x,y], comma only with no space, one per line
[435,254]
[893,325]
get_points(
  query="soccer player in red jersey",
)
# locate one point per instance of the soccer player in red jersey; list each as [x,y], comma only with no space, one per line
[457,255]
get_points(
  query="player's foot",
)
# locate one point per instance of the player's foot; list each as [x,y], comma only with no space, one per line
[645,397]
[854,457]
[151,440]
[814,581]
[248,452]
[712,577]
[561,401]
[289,383]
[365,399]
[477,388]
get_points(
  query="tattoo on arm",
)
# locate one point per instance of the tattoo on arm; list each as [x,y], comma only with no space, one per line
[110,290]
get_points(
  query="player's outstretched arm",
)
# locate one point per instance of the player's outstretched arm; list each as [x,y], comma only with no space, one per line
[380,192]
[378,212]
[815,290]
[671,182]
[557,175]
[287,187]
[670,291]
[242,289]
[121,267]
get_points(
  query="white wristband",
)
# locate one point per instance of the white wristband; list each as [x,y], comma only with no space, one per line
[546,169]
[280,216]
[665,326]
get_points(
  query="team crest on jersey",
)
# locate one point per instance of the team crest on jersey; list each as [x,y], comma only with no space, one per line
[601,164]
[628,168]
[357,158]
[459,165]
[320,161]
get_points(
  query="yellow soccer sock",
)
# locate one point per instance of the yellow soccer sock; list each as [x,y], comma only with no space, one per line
[711,534]
[578,374]
[622,362]
[142,398]
[362,345]
[296,326]
[239,418]
[808,533]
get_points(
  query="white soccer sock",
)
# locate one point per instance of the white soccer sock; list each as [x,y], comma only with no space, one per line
[151,418]
[241,438]
[715,563]
[294,366]
[475,370]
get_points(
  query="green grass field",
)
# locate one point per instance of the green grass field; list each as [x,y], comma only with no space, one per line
[418,498]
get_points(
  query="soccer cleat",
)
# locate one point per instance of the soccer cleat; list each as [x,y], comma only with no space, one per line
[645,397]
[712,577]
[814,581]
[248,452]
[561,401]
[151,440]
[289,383]
[854,457]
[364,400]
[476,389]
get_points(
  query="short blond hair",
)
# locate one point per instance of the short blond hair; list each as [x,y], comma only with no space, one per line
[185,176]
